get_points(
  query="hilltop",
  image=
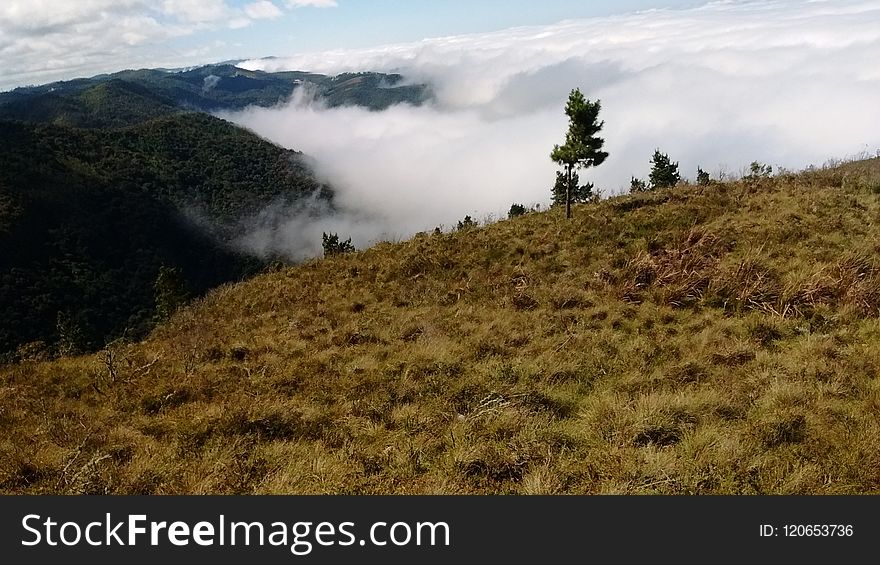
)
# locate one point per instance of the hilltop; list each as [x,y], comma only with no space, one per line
[701,339]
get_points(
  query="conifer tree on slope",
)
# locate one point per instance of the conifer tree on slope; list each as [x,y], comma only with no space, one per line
[664,172]
[582,147]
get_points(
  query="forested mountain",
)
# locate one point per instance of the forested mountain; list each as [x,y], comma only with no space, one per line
[88,218]
[105,180]
[114,103]
[130,97]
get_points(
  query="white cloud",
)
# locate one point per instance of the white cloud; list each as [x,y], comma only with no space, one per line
[43,40]
[239,22]
[27,16]
[785,82]
[311,3]
[46,40]
[262,10]
[197,11]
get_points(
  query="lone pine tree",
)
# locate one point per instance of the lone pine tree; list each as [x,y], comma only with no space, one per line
[582,147]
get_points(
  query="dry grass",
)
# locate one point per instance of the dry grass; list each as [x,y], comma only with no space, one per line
[720,339]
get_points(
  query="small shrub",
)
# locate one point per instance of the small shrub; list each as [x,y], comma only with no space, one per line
[703,178]
[758,170]
[516,210]
[638,185]
[333,245]
[466,224]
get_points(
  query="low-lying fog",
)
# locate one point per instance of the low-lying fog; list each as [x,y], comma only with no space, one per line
[787,83]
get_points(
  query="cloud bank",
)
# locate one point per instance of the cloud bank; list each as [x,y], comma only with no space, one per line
[787,82]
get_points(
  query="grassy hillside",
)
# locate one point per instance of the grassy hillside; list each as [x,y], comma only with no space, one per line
[88,217]
[719,339]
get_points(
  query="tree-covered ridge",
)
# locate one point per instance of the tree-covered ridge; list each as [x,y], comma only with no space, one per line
[111,104]
[88,218]
[202,163]
[132,97]
[376,91]
[103,181]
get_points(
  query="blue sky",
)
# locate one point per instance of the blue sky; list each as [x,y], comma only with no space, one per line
[46,40]
[360,23]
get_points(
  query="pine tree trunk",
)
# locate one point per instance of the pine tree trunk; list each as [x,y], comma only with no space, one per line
[568,193]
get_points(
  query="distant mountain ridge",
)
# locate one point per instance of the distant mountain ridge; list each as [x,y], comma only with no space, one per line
[130,97]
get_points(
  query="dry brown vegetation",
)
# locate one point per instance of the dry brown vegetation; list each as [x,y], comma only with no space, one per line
[718,339]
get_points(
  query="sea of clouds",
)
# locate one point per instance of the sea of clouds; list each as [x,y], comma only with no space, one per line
[789,83]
